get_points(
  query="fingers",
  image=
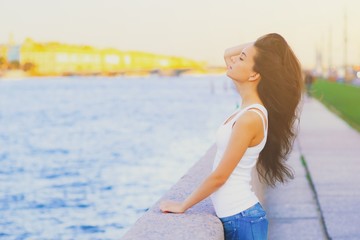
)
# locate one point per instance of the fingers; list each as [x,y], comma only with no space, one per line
[171,207]
[164,206]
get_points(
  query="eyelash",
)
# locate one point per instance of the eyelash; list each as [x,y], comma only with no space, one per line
[241,59]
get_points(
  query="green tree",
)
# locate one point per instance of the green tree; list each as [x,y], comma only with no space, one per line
[14,64]
[28,66]
[2,61]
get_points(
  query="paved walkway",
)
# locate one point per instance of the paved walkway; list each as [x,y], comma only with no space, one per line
[322,202]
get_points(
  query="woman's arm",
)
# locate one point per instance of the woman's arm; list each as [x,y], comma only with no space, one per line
[244,131]
[233,51]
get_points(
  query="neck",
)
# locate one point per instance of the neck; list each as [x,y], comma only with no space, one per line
[249,95]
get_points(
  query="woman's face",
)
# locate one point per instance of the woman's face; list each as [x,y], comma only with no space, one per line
[242,65]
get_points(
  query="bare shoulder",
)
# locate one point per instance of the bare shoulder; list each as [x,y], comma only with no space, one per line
[249,121]
[249,118]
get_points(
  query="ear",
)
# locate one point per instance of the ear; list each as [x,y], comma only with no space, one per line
[254,77]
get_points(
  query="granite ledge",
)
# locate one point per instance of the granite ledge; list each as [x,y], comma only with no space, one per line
[199,222]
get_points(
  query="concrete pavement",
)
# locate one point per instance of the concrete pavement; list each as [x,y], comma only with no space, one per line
[322,201]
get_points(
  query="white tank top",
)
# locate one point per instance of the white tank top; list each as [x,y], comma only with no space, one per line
[236,194]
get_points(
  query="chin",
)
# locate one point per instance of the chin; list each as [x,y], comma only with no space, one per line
[228,73]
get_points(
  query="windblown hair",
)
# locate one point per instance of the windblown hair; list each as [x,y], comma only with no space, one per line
[280,90]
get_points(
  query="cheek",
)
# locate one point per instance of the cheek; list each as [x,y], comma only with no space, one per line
[235,74]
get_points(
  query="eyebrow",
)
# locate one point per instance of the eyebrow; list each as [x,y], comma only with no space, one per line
[243,53]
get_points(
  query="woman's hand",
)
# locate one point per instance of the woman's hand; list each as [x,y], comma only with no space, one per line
[168,206]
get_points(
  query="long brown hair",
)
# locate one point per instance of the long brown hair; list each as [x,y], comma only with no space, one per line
[280,90]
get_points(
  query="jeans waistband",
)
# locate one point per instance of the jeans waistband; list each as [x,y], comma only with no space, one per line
[243,213]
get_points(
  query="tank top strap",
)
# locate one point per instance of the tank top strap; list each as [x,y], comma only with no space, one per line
[262,117]
[256,107]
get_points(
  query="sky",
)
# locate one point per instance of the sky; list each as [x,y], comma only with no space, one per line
[197,29]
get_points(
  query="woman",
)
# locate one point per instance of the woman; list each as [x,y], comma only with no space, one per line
[268,77]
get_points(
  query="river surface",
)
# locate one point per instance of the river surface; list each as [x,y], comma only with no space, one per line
[85,157]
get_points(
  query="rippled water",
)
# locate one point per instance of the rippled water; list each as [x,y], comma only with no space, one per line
[84,158]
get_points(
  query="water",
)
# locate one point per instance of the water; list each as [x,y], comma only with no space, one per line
[85,157]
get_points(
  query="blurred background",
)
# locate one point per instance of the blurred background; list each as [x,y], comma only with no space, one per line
[104,105]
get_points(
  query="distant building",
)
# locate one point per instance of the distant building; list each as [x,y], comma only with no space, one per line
[13,53]
[3,52]
[63,59]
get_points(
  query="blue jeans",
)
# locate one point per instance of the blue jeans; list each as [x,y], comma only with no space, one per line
[250,224]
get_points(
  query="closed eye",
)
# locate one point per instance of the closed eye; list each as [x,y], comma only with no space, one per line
[242,53]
